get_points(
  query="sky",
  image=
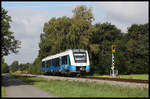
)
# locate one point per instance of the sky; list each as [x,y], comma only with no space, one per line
[28,19]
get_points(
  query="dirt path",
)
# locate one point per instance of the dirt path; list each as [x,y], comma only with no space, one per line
[17,88]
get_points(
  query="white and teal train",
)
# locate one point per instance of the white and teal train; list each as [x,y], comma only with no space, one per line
[71,61]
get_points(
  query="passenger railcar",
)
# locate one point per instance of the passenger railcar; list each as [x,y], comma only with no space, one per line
[71,61]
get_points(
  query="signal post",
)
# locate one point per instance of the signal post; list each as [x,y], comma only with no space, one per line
[113,62]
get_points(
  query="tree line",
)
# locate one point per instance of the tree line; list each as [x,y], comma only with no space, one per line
[78,32]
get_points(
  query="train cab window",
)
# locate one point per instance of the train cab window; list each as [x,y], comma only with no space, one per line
[80,57]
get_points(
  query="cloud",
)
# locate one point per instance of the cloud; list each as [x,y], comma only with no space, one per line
[27,22]
[27,53]
[123,13]
[133,12]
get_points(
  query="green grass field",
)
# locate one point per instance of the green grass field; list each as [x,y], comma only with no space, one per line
[64,88]
[133,76]
[2,90]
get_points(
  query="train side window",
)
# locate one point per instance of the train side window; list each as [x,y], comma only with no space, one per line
[65,59]
[47,64]
[57,61]
[51,62]
[54,62]
[43,64]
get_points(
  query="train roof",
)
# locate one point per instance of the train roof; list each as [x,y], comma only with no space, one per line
[63,53]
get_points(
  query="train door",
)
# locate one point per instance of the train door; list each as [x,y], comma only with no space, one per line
[68,60]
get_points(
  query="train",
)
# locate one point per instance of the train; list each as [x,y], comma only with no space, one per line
[71,61]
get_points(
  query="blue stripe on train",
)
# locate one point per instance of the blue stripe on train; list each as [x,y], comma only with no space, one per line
[63,67]
[88,67]
[55,68]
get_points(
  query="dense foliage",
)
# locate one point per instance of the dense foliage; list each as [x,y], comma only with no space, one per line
[137,49]
[15,66]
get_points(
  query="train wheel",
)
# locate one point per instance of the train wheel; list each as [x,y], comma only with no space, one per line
[78,75]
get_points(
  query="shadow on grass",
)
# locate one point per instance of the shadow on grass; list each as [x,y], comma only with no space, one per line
[16,80]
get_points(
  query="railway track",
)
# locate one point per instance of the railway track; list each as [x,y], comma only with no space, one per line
[118,79]
[105,79]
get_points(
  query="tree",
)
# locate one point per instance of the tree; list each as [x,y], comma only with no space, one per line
[14,66]
[82,12]
[5,67]
[137,48]
[103,36]
[9,44]
[35,68]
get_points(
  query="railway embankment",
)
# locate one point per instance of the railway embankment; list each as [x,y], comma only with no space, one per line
[79,87]
[90,79]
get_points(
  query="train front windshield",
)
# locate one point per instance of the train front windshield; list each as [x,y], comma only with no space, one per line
[80,57]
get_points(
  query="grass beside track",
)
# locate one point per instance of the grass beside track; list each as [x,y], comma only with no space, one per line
[2,90]
[64,88]
[133,76]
